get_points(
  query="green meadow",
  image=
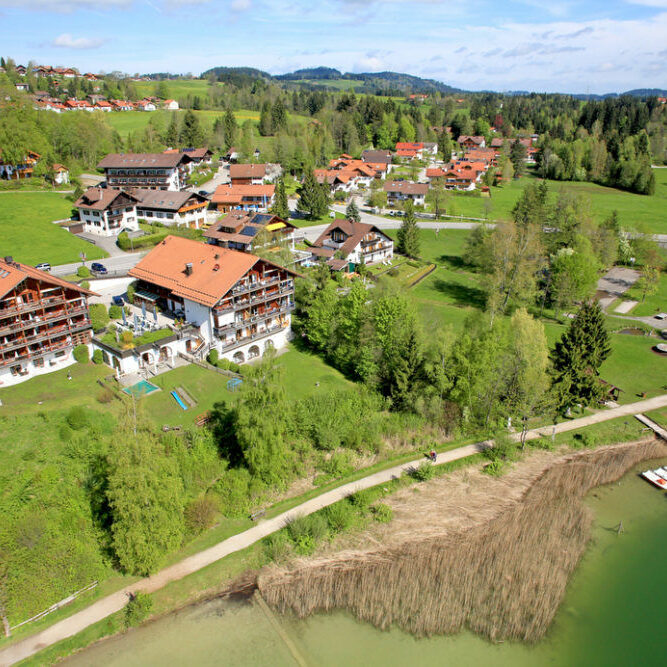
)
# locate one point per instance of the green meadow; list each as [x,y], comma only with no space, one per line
[27,232]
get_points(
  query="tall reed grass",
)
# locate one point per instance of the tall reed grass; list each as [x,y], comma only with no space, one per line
[503,578]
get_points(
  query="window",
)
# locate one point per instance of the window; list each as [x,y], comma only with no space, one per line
[170,216]
[60,353]
[38,363]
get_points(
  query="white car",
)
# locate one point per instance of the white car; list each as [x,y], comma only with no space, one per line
[661,316]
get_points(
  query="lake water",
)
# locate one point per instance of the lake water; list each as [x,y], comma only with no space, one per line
[614,613]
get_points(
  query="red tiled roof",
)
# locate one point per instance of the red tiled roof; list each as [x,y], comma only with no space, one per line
[13,274]
[247,171]
[226,194]
[406,187]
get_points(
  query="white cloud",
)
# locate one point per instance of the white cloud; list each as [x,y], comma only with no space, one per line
[240,5]
[369,63]
[66,41]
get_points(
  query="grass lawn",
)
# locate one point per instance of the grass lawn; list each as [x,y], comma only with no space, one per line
[633,209]
[322,220]
[27,232]
[54,391]
[177,88]
[653,304]
[303,371]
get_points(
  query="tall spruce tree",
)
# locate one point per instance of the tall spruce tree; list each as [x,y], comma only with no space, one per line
[408,234]
[191,132]
[578,355]
[313,200]
[280,206]
[352,212]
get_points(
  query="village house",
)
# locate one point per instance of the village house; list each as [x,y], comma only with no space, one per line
[15,172]
[23,87]
[363,172]
[170,105]
[409,150]
[337,180]
[171,208]
[42,320]
[199,156]
[254,174]
[121,105]
[374,156]
[245,197]
[400,191]
[232,155]
[145,105]
[103,105]
[238,304]
[151,171]
[107,212]
[466,141]
[60,174]
[240,230]
[344,244]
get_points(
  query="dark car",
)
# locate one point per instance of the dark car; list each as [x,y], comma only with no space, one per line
[204,193]
[96,267]
[118,301]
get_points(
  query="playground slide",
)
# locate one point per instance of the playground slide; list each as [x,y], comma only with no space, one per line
[179,400]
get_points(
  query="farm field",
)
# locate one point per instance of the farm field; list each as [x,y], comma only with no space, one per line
[27,232]
[633,210]
[178,88]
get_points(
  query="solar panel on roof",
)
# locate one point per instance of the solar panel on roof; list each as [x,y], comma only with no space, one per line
[261,218]
[249,231]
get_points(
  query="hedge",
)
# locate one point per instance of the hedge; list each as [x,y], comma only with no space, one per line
[81,354]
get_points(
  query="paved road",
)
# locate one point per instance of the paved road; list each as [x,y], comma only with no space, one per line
[121,263]
[116,601]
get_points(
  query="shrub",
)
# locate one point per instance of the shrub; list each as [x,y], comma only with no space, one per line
[115,312]
[85,284]
[83,272]
[81,354]
[200,514]
[99,317]
[137,609]
[423,472]
[307,531]
[382,513]
[126,337]
[77,418]
[338,464]
[340,516]
[233,490]
[223,363]
[213,357]
[393,272]
[130,292]
[105,396]
[495,468]
[65,432]
[98,358]
[361,499]
[277,546]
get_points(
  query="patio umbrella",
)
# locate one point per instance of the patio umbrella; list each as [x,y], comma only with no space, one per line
[122,310]
[143,309]
[155,313]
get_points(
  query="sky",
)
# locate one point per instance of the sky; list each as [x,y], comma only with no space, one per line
[575,46]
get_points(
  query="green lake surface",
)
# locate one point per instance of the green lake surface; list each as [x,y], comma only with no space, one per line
[614,613]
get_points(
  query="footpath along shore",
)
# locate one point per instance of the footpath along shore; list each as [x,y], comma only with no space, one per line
[116,601]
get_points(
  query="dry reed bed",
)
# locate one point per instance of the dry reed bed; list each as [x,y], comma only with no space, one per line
[503,578]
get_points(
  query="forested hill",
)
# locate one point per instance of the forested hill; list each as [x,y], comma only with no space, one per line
[385,83]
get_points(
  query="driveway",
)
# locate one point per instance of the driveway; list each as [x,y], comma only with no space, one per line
[221,178]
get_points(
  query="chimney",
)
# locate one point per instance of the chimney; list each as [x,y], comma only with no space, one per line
[9,259]
[188,269]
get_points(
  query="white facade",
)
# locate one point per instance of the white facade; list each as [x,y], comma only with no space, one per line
[201,316]
[145,357]
[195,218]
[110,222]
[61,177]
[172,105]
[53,361]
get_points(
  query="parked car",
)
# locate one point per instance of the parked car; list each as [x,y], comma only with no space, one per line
[117,301]
[96,267]
[43,266]
[204,193]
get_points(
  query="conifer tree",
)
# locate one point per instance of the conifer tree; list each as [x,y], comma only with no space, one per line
[171,137]
[408,234]
[352,212]
[280,206]
[313,200]
[578,355]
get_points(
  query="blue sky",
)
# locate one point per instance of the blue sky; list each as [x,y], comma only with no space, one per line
[554,45]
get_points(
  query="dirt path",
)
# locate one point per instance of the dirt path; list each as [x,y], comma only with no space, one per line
[116,601]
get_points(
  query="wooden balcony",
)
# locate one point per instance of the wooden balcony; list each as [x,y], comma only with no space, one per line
[253,319]
[239,342]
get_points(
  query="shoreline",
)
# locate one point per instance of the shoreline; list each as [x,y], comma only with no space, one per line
[511,563]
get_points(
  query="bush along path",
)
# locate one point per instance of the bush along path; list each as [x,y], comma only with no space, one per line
[116,601]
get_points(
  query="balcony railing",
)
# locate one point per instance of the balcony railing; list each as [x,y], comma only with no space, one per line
[45,349]
[236,304]
[35,305]
[239,342]
[253,319]
[25,325]
[45,335]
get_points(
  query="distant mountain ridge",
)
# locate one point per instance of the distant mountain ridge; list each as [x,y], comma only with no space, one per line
[385,82]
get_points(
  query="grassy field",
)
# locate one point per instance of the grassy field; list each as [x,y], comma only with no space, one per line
[27,234]
[177,88]
[633,210]
[652,304]
[126,122]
